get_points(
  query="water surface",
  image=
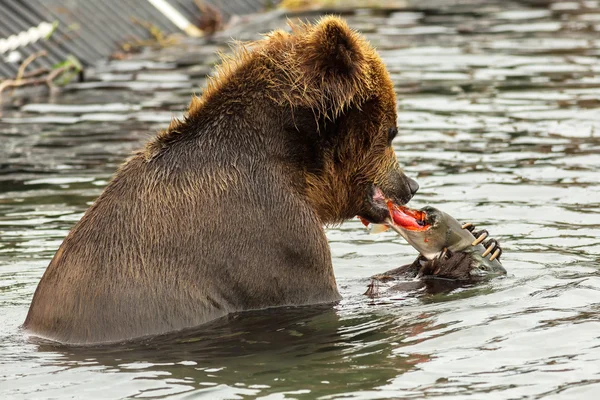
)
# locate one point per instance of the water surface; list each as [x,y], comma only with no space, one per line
[499,113]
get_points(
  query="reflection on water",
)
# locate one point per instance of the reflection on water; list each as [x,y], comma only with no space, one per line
[500,118]
[254,350]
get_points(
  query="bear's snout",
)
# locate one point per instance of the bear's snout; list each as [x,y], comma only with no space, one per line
[413,185]
[399,188]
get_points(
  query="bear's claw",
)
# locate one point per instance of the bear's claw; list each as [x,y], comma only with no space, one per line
[490,245]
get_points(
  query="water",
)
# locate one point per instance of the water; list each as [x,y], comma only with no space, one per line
[499,115]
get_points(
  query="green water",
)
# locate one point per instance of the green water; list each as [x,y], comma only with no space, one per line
[499,113]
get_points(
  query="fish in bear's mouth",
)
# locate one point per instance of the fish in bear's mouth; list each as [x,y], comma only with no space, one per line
[380,207]
[408,218]
[435,234]
[387,213]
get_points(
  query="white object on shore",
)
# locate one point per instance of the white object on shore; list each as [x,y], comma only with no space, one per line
[176,17]
[24,38]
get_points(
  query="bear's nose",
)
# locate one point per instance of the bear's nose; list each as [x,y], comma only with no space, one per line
[412,185]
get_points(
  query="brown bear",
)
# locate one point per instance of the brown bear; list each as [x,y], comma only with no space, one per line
[224,210]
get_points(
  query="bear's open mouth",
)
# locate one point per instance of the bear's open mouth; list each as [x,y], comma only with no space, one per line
[382,210]
[408,218]
[378,211]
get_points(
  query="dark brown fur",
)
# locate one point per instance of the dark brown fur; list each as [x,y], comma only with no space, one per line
[440,275]
[223,211]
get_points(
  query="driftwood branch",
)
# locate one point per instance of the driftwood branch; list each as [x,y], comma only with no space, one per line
[28,61]
[22,67]
[35,72]
[56,73]
[33,80]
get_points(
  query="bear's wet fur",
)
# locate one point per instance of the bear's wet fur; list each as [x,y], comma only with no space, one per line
[224,210]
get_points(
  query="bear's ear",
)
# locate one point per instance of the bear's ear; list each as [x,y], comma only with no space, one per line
[332,48]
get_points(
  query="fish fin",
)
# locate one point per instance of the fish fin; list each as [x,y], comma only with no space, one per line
[378,228]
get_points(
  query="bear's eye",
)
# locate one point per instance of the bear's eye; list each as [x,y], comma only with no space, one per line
[392,132]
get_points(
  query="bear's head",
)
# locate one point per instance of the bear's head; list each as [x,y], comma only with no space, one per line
[342,114]
[320,99]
